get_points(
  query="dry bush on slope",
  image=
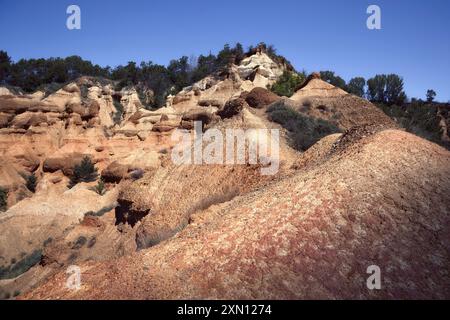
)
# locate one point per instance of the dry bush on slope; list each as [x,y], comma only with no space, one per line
[304,131]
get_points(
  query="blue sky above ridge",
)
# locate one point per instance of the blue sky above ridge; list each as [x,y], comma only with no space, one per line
[313,35]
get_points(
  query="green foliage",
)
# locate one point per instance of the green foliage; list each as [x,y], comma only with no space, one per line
[283,115]
[32,73]
[84,91]
[31,182]
[332,78]
[5,66]
[3,199]
[83,172]
[238,52]
[304,131]
[225,56]
[100,187]
[178,71]
[431,94]
[205,66]
[419,118]
[287,83]
[394,89]
[81,241]
[120,110]
[16,269]
[157,78]
[376,88]
[52,73]
[229,55]
[387,89]
[178,74]
[143,99]
[49,88]
[356,86]
[272,53]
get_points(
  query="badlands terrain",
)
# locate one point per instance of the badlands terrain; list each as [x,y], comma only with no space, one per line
[368,194]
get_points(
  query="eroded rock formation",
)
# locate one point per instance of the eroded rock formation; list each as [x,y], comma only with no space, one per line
[157,229]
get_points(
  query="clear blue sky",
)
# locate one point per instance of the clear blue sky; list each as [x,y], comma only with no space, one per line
[314,35]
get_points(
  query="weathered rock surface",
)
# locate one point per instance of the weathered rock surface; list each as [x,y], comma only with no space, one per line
[255,71]
[163,214]
[320,99]
[260,98]
[27,225]
[232,107]
[368,196]
[382,200]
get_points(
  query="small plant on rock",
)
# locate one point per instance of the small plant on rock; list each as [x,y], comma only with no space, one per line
[31,182]
[3,199]
[100,187]
[304,130]
[288,83]
[83,172]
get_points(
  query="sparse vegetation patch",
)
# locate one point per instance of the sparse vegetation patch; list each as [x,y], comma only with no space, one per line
[304,131]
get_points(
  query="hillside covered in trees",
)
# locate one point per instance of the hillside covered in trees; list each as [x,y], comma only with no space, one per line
[419,116]
[89,177]
[34,74]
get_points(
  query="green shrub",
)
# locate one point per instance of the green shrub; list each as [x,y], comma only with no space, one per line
[333,79]
[304,131]
[144,100]
[100,187]
[117,118]
[281,114]
[31,182]
[84,91]
[417,117]
[81,241]
[47,241]
[83,172]
[72,258]
[101,212]
[15,270]
[50,88]
[356,86]
[431,94]
[3,199]
[287,83]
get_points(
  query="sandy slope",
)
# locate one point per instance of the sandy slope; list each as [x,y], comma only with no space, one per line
[381,199]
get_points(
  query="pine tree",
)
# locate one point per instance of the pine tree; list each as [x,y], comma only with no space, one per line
[84,172]
[31,182]
[100,187]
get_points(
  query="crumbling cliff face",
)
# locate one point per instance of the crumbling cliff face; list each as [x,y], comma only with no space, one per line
[380,199]
[373,195]
[46,134]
